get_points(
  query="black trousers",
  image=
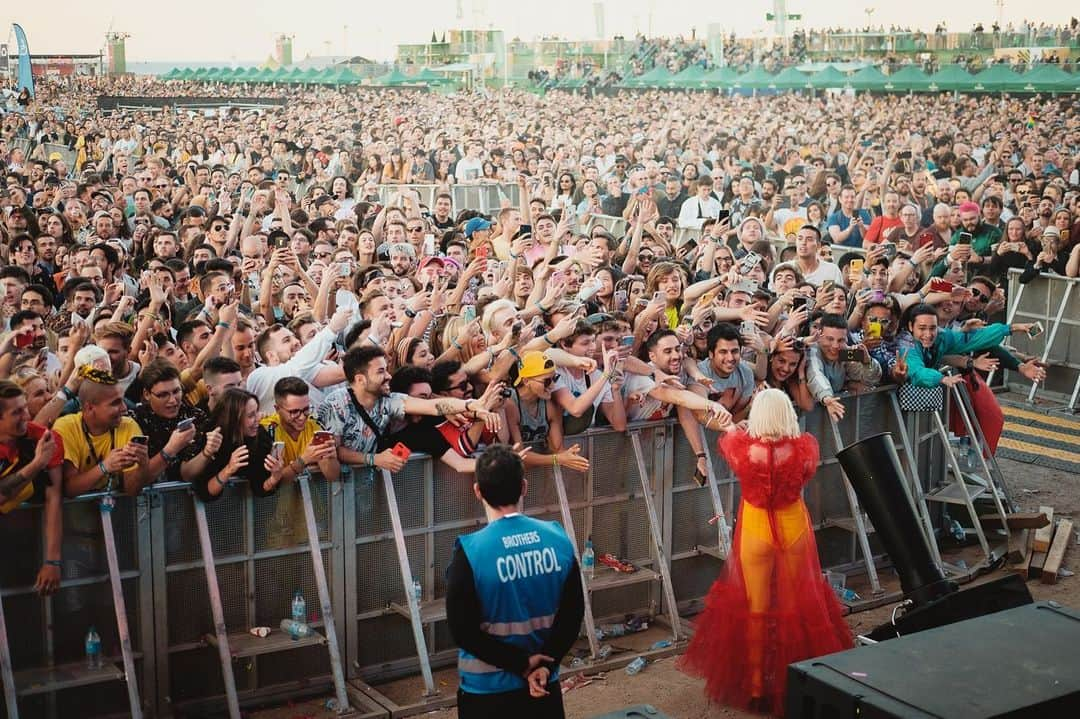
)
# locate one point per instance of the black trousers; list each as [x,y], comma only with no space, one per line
[516,705]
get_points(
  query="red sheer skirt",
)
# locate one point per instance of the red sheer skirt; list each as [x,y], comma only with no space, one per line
[769,608]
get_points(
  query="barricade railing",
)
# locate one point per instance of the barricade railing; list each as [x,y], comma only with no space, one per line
[261,556]
[1054,301]
[486,197]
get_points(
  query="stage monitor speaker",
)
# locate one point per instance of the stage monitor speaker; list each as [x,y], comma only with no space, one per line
[1014,664]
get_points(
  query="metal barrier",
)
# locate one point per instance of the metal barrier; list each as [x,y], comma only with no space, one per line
[1055,301]
[486,197]
[261,556]
[66,154]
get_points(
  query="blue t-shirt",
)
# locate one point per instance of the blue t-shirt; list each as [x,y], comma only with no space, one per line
[842,221]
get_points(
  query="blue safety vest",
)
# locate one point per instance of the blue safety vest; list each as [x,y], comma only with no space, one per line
[519,565]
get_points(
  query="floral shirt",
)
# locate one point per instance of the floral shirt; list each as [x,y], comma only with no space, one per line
[339,414]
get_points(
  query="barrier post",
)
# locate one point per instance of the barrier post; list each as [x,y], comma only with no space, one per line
[857,516]
[324,595]
[6,673]
[1053,334]
[722,526]
[106,507]
[568,526]
[224,653]
[915,493]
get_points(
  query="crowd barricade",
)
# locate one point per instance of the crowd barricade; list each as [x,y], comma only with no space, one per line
[66,153]
[488,197]
[21,143]
[261,557]
[1054,301]
[616,226]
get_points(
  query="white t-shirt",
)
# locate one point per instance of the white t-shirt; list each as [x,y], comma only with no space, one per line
[825,271]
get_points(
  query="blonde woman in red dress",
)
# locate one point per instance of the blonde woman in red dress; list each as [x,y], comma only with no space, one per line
[771,606]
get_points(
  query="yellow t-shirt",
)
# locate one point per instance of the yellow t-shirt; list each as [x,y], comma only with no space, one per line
[293,447]
[671,316]
[76,449]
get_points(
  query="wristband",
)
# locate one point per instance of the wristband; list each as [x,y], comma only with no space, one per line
[298,461]
[514,353]
[456,345]
[409,313]
[540,307]
[101,466]
[372,340]
[226,325]
[548,340]
[53,563]
[68,393]
[169,458]
[700,455]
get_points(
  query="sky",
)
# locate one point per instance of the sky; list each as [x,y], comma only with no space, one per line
[201,30]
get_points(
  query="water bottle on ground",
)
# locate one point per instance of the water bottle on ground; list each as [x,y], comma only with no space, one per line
[846,595]
[662,644]
[417,590]
[610,630]
[93,649]
[299,607]
[964,454]
[604,651]
[296,630]
[635,666]
[588,560]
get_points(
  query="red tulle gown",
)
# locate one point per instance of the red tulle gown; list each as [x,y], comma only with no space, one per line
[771,606]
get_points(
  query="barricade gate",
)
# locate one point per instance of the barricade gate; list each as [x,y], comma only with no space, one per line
[260,556]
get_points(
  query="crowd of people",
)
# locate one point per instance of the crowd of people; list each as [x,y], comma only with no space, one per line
[207,298]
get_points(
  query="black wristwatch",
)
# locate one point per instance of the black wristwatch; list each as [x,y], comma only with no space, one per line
[970,364]
[409,313]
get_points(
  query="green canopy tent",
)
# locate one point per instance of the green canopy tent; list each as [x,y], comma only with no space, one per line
[998,78]
[952,77]
[171,74]
[790,79]
[653,78]
[830,77]
[201,73]
[721,77]
[185,74]
[687,78]
[345,76]
[869,78]
[431,77]
[907,78]
[756,78]
[394,78]
[265,74]
[1050,78]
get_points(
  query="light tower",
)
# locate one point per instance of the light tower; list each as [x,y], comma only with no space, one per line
[116,50]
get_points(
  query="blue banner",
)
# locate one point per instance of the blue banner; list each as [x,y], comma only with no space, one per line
[26,75]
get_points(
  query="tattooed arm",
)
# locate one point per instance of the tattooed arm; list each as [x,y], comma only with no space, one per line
[449,405]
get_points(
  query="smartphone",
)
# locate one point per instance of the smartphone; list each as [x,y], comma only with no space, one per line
[890,250]
[723,215]
[799,301]
[857,266]
[429,245]
[322,437]
[469,313]
[141,439]
[343,270]
[747,327]
[963,238]
[185,424]
[905,155]
[748,262]
[401,452]
[482,252]
[658,297]
[277,449]
[24,339]
[827,287]
[627,341]
[622,300]
[873,330]
[853,355]
[878,296]
[516,328]
[1035,330]
[939,285]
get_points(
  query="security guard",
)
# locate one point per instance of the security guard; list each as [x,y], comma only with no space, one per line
[513,601]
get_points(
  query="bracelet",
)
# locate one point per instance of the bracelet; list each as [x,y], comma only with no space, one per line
[467,404]
[514,352]
[208,456]
[101,466]
[456,345]
[514,257]
[554,460]
[68,393]
[548,339]
[700,455]
[226,325]
[540,307]
[372,340]
[53,563]
[169,458]
[150,315]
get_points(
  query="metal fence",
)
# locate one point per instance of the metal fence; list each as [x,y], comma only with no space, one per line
[487,197]
[1054,301]
[261,557]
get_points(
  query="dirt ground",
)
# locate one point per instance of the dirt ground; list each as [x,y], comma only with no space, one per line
[678,696]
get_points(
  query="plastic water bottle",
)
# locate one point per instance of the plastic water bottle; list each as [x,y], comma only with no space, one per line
[964,452]
[93,649]
[604,652]
[296,630]
[846,595]
[610,630]
[635,666]
[662,644]
[588,560]
[417,590]
[299,607]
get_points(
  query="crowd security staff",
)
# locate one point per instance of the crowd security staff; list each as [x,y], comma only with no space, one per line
[513,601]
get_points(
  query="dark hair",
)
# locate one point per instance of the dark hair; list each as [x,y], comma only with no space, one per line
[15,272]
[228,414]
[187,329]
[722,331]
[656,336]
[357,359]
[22,316]
[160,370]
[500,474]
[836,322]
[916,311]
[9,390]
[221,365]
[293,386]
[407,376]
[112,257]
[42,290]
[441,373]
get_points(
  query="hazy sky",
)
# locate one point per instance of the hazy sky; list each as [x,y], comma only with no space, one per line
[231,31]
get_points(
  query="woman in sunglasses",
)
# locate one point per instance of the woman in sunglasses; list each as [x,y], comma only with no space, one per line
[531,415]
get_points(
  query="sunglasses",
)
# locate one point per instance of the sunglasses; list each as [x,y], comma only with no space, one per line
[461,386]
[547,381]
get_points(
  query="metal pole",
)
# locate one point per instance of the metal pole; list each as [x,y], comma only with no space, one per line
[1011,312]
[107,504]
[324,595]
[406,580]
[857,517]
[658,541]
[966,413]
[722,526]
[10,700]
[958,477]
[916,489]
[568,525]
[216,610]
[1053,331]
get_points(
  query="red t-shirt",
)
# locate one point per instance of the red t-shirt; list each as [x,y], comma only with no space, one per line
[878,228]
[10,462]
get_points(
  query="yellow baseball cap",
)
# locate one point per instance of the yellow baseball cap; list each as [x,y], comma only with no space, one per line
[533,364]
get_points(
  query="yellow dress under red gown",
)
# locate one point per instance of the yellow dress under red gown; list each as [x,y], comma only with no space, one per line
[771,606]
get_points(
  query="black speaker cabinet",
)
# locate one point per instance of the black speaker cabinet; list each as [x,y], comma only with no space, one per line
[1017,663]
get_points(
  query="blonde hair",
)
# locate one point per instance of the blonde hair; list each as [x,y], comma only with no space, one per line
[772,415]
[491,309]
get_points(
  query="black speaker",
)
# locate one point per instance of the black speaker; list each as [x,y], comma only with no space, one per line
[874,470]
[1015,664]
